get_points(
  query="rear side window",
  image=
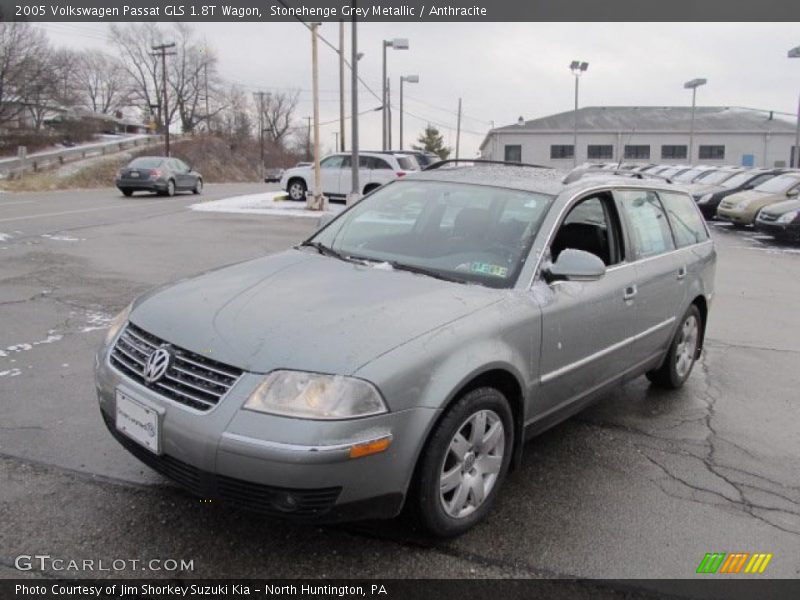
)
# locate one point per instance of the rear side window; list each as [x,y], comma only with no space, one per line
[378,163]
[407,164]
[687,224]
[647,221]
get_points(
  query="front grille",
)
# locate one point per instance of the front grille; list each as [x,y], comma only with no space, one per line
[191,379]
[256,497]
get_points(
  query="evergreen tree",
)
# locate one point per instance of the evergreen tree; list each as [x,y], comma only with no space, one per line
[431,140]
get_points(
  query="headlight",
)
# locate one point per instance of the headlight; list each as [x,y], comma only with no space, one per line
[742,205]
[117,323]
[315,396]
[789,216]
[704,198]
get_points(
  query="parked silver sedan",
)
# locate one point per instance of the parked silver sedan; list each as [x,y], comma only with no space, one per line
[404,353]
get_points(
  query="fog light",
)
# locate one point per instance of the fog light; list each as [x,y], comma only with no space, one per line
[285,502]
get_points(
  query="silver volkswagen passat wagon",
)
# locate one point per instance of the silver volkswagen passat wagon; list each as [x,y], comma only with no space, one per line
[404,353]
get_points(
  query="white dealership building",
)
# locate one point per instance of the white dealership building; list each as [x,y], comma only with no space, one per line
[648,134]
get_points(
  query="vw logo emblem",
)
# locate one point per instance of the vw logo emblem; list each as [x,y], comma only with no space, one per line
[157,364]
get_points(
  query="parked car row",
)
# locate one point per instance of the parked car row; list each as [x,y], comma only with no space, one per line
[766,198]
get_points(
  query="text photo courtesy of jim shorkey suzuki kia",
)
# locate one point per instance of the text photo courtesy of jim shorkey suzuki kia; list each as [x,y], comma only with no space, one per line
[399,299]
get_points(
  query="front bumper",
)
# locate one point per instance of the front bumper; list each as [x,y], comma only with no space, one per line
[274,465]
[735,216]
[779,230]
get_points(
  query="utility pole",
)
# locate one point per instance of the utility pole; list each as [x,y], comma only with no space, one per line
[205,80]
[341,87]
[308,140]
[388,114]
[161,50]
[317,200]
[458,129]
[260,96]
[354,160]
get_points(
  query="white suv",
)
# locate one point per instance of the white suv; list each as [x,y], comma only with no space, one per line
[375,169]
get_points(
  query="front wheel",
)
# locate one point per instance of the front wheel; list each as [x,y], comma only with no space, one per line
[682,353]
[297,190]
[465,462]
[127,193]
[198,187]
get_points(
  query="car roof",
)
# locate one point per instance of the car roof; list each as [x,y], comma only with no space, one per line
[533,179]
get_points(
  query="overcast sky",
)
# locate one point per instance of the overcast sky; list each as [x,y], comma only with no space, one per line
[504,70]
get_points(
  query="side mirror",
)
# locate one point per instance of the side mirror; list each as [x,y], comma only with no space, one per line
[324,220]
[575,265]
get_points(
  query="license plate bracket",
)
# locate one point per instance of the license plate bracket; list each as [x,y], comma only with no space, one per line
[138,422]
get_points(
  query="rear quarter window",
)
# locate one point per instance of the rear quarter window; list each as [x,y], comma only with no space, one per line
[687,224]
[647,221]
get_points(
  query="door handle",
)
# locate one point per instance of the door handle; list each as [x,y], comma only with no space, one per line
[630,292]
[682,272]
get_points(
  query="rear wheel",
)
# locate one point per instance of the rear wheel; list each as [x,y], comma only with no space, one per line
[297,189]
[170,188]
[127,192]
[371,187]
[682,353]
[464,463]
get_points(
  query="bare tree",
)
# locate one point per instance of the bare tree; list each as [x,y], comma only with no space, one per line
[134,43]
[279,112]
[100,82]
[235,119]
[24,55]
[193,78]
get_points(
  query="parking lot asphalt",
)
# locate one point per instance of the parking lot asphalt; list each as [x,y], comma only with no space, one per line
[641,485]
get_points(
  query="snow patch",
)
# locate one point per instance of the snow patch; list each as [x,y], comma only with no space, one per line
[52,336]
[4,237]
[60,237]
[10,373]
[266,203]
[96,320]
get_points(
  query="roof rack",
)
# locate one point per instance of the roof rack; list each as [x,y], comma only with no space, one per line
[441,163]
[577,174]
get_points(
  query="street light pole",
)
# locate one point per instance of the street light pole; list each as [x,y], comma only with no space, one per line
[341,87]
[578,68]
[397,44]
[795,53]
[315,201]
[693,85]
[354,160]
[161,51]
[404,79]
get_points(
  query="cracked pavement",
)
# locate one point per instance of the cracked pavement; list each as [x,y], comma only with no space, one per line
[640,485]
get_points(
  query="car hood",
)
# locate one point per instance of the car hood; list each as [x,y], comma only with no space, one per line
[748,195]
[305,311]
[783,207]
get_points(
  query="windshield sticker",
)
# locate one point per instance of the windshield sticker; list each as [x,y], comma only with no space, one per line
[488,269]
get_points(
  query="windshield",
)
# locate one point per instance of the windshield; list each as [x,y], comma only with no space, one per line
[739,179]
[462,232]
[778,184]
[714,177]
[689,175]
[145,162]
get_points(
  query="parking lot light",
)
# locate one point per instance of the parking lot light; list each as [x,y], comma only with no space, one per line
[795,53]
[578,68]
[693,85]
[404,79]
[397,44]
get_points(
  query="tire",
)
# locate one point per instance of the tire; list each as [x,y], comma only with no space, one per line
[453,458]
[198,187]
[170,188]
[297,190]
[127,193]
[370,188]
[682,353]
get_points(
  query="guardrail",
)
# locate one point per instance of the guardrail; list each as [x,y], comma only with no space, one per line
[16,166]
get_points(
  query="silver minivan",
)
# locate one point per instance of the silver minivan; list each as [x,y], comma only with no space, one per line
[402,355]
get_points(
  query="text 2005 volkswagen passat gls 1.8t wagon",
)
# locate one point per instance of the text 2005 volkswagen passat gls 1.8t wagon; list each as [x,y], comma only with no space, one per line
[403,354]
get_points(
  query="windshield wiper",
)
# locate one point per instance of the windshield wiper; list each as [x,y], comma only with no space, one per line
[424,271]
[328,251]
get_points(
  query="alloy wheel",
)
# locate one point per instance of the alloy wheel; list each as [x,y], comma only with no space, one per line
[686,349]
[472,463]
